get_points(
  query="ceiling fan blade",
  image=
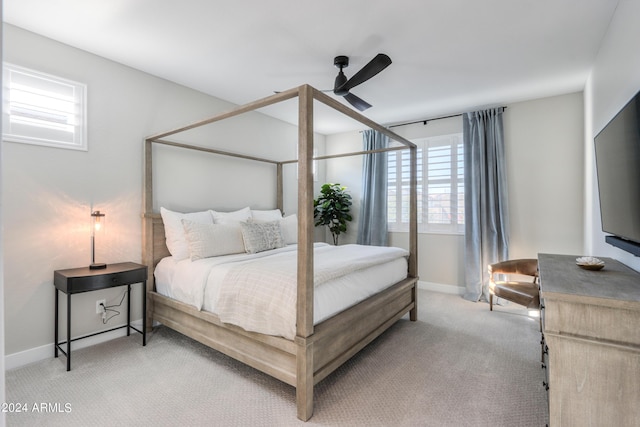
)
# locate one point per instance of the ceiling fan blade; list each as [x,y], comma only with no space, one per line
[357,102]
[377,64]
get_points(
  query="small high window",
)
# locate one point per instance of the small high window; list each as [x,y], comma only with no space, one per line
[42,109]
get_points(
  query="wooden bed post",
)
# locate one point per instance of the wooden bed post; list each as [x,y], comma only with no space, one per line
[413,226]
[304,313]
[147,229]
[279,188]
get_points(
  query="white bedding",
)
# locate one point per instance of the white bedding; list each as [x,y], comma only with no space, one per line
[343,276]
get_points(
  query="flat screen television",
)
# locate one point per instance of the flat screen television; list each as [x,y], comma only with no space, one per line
[617,149]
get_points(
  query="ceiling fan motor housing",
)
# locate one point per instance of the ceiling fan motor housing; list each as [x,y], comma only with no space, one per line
[340,62]
[341,79]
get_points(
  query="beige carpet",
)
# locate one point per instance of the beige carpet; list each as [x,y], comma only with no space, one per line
[459,365]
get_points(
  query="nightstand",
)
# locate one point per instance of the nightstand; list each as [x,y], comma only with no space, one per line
[78,280]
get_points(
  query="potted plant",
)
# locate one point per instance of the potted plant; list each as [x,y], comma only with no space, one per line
[332,208]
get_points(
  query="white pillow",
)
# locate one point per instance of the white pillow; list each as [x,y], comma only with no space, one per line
[289,226]
[209,240]
[261,236]
[174,231]
[272,215]
[231,217]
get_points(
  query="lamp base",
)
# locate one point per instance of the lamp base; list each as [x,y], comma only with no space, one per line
[97,266]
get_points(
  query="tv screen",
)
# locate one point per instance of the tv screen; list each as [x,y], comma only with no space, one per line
[617,149]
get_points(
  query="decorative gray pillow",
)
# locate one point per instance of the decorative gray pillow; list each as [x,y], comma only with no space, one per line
[261,236]
[209,240]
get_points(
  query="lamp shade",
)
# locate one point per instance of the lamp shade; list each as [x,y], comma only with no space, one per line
[98,223]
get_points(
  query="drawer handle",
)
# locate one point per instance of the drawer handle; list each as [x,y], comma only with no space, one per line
[546,385]
[115,280]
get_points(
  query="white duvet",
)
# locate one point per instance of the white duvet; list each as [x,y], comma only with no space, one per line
[258,291]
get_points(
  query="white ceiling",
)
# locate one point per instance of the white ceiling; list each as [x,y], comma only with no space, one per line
[448,56]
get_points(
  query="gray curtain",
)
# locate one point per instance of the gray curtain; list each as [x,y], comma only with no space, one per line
[372,222]
[485,198]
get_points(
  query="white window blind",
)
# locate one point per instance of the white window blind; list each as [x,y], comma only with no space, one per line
[43,109]
[440,186]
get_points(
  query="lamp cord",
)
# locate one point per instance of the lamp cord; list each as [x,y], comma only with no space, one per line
[109,308]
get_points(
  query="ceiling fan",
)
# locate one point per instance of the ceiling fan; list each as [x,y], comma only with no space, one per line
[342,85]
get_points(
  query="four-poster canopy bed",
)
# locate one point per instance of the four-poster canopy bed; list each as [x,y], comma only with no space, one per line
[316,350]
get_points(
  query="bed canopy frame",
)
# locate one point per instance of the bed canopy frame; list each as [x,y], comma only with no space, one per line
[316,350]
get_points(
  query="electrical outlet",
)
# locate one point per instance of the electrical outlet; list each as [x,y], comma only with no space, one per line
[99,309]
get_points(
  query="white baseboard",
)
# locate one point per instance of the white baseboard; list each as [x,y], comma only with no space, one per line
[22,358]
[439,287]
[16,360]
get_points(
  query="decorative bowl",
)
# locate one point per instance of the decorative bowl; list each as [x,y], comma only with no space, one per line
[590,263]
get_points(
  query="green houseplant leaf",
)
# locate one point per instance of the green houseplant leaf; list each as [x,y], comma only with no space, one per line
[332,208]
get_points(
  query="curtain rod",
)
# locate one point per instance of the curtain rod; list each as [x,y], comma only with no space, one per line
[425,121]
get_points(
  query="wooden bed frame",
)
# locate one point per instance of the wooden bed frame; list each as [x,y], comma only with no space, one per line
[316,350]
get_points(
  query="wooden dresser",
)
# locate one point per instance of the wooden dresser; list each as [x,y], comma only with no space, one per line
[591,326]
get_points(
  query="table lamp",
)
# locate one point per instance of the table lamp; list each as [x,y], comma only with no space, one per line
[98,224]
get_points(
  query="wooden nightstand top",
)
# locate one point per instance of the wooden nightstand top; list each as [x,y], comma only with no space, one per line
[83,279]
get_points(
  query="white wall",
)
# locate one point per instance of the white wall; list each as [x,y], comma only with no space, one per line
[48,193]
[614,80]
[544,155]
[2,367]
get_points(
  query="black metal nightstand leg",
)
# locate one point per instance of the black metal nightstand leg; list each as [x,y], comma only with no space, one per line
[68,332]
[128,310]
[144,314]
[55,322]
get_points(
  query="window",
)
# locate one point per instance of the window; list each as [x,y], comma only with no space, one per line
[440,186]
[43,109]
